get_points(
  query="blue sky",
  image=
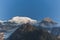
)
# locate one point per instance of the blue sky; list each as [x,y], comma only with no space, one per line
[36,9]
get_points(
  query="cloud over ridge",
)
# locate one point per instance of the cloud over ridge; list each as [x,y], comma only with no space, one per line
[22,20]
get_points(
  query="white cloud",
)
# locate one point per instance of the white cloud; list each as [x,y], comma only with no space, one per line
[23,20]
[1,21]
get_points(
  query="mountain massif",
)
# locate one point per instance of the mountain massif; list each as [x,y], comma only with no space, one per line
[24,28]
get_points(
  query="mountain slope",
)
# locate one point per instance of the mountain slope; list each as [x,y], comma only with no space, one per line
[29,32]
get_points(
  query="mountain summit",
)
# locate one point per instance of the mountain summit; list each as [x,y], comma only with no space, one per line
[47,22]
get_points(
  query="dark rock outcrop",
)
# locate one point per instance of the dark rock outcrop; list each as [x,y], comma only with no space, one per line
[29,32]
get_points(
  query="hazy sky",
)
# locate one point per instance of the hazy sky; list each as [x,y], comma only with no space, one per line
[36,9]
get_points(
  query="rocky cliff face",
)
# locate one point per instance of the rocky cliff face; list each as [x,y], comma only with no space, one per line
[29,32]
